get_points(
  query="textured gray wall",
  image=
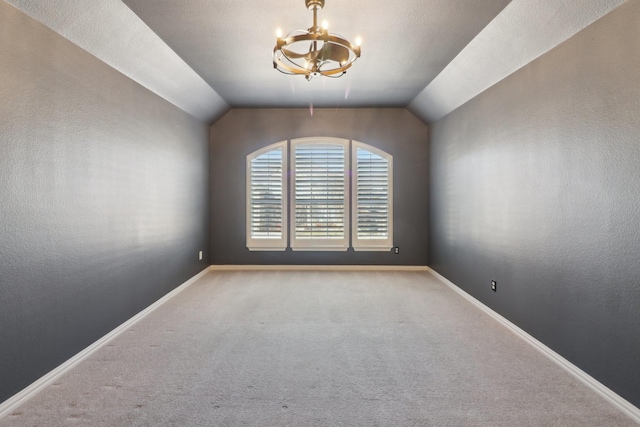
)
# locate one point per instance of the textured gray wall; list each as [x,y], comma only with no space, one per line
[104,199]
[536,184]
[242,131]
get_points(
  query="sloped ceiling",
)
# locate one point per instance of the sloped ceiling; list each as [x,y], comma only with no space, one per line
[405,45]
[206,56]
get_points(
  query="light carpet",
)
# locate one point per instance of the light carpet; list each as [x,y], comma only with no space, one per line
[292,348]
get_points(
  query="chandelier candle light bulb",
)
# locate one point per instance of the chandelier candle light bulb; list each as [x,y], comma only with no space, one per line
[314,52]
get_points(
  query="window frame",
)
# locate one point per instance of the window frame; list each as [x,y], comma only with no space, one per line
[268,244]
[385,244]
[302,244]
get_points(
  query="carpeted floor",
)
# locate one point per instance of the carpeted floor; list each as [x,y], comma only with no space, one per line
[317,349]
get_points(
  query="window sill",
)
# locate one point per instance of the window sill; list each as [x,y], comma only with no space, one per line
[372,248]
[266,248]
[320,248]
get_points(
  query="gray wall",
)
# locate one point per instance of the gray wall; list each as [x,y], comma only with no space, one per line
[104,198]
[536,184]
[242,131]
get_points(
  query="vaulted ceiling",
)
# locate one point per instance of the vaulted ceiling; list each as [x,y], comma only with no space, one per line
[230,43]
[207,56]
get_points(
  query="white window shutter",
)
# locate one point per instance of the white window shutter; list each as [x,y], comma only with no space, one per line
[372,198]
[266,198]
[320,194]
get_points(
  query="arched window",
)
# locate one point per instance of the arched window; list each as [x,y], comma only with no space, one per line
[320,187]
[267,198]
[320,194]
[372,202]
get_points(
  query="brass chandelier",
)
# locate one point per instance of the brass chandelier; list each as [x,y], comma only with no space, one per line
[314,52]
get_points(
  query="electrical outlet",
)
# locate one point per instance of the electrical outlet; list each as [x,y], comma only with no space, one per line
[494,286]
[396,250]
[200,255]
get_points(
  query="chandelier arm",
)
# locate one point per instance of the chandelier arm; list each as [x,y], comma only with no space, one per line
[279,65]
[297,70]
[294,67]
[328,38]
[280,62]
[333,71]
[290,69]
[285,73]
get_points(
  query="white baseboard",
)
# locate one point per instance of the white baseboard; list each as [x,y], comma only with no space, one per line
[27,393]
[21,397]
[319,268]
[613,398]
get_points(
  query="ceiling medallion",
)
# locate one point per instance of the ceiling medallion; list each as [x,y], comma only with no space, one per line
[314,52]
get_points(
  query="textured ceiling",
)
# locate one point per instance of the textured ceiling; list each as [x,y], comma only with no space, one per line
[523,31]
[113,33]
[405,45]
[206,56]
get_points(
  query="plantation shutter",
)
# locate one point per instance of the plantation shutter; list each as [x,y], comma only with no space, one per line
[372,200]
[320,208]
[266,201]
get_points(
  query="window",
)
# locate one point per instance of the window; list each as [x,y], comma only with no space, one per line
[319,187]
[319,194]
[372,202]
[266,198]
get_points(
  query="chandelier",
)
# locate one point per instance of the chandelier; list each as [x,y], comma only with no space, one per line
[314,52]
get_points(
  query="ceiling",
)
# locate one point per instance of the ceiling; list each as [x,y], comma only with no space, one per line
[230,44]
[207,56]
